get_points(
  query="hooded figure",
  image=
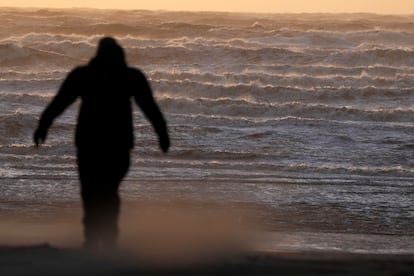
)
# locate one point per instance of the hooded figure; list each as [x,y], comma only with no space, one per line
[104,133]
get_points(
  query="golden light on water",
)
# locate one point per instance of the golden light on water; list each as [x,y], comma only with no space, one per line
[277,6]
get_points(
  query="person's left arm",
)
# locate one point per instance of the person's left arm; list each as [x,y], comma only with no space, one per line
[65,97]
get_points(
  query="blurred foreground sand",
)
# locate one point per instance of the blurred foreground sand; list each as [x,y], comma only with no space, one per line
[180,237]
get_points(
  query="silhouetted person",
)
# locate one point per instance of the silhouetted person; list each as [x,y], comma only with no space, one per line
[104,133]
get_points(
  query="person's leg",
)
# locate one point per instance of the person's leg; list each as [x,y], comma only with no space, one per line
[91,213]
[100,176]
[117,168]
[88,176]
[108,219]
[101,212]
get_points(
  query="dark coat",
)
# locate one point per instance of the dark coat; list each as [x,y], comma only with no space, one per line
[106,88]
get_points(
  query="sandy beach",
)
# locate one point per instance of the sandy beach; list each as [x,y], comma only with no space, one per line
[47,260]
[170,238]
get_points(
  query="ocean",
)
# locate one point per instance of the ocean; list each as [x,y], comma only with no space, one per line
[310,116]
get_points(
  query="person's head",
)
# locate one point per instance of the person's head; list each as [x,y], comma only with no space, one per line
[110,52]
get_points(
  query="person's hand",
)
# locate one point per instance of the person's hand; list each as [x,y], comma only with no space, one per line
[39,136]
[164,143]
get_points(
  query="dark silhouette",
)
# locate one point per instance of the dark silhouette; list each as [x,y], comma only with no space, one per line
[104,133]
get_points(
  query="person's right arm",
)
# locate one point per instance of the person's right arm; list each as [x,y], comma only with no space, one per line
[149,107]
[65,96]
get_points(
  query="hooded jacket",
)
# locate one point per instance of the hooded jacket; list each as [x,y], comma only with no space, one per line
[106,87]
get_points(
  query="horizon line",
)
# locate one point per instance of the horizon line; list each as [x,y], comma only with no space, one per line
[206,11]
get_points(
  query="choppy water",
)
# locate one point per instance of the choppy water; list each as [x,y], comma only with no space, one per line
[309,115]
